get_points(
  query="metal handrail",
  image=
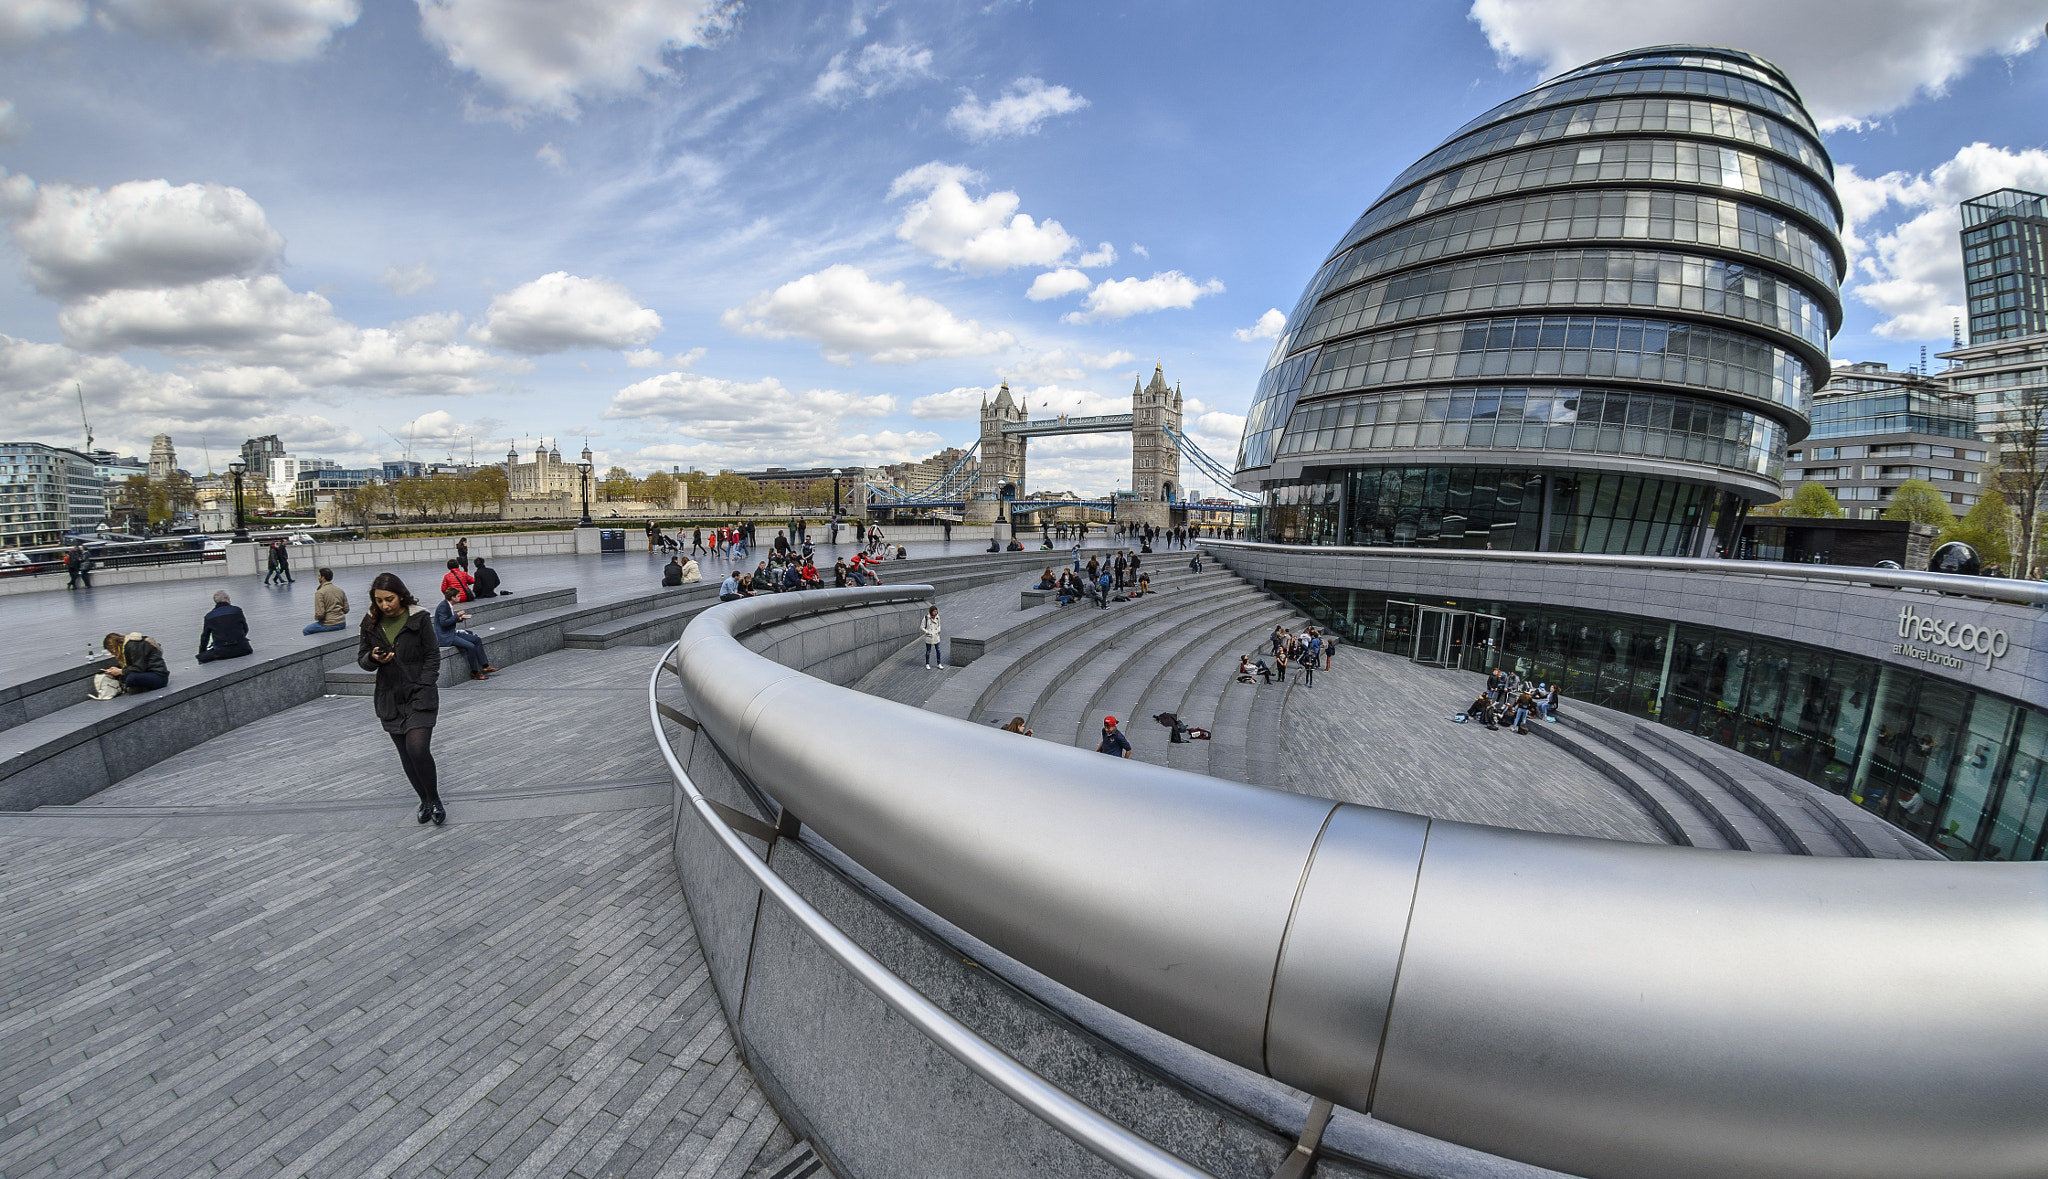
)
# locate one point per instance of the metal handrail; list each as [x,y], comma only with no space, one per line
[1100,1136]
[1994,588]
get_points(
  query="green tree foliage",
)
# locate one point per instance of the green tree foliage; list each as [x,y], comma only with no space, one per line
[658,488]
[816,494]
[618,484]
[734,490]
[1918,501]
[1814,502]
[1988,528]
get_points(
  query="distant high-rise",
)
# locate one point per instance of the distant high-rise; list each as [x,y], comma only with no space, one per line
[2005,264]
[257,453]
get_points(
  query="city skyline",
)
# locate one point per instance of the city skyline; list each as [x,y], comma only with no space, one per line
[815,236]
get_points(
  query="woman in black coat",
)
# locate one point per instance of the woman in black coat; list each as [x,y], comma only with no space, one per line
[397,642]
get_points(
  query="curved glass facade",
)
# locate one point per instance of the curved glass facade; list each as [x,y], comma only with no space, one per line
[1578,278]
[1687,182]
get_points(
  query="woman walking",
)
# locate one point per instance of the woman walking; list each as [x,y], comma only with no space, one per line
[397,642]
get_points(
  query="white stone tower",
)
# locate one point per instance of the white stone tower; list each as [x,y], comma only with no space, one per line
[1002,459]
[163,458]
[1155,456]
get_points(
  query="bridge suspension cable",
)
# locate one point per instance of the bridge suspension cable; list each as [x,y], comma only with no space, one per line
[1208,465]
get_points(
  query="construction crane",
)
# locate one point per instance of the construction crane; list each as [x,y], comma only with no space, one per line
[82,418]
[406,441]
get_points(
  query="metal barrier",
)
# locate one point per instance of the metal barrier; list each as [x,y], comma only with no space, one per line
[1605,1008]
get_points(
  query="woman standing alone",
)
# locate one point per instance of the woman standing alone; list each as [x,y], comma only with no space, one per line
[397,642]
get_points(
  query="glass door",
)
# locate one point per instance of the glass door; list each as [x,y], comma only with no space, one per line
[1481,647]
[1434,631]
[1397,629]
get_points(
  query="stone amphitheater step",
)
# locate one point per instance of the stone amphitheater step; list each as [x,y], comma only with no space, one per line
[1830,824]
[968,645]
[1688,814]
[1164,671]
[1067,701]
[1200,699]
[1249,715]
[1038,672]
[1761,826]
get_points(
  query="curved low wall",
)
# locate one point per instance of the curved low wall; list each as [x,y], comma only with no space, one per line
[1608,1009]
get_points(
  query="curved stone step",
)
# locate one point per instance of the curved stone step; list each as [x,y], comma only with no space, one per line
[1685,816]
[1171,665]
[1760,828]
[1201,695]
[1061,705]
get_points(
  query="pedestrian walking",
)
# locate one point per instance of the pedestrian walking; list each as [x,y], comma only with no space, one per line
[933,659]
[78,563]
[697,542]
[330,605]
[284,563]
[397,642]
[1114,743]
[462,553]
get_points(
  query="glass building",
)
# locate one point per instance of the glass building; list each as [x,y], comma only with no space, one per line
[2005,264]
[1873,429]
[1591,321]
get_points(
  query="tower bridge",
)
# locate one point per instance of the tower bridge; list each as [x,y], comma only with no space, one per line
[1154,425]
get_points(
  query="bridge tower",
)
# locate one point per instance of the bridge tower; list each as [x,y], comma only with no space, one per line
[1155,457]
[1001,476]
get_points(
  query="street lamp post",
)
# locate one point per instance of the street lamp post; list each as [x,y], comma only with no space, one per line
[835,493]
[241,529]
[584,469]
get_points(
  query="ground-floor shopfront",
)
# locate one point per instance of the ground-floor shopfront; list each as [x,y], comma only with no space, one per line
[1960,768]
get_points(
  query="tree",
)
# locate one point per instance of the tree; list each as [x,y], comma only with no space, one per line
[733,489]
[1814,502]
[1918,501]
[2021,472]
[619,484]
[816,494]
[1988,528]
[658,488]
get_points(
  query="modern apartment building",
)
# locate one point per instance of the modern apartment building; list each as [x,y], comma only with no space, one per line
[1873,429]
[2005,264]
[46,491]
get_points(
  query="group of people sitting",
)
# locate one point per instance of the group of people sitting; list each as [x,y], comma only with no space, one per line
[1098,582]
[1509,701]
[1309,649]
[780,574]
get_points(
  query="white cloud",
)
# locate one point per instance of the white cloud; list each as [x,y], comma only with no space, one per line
[259,320]
[1269,326]
[1851,59]
[850,314]
[1140,251]
[1124,297]
[964,403]
[982,235]
[1107,359]
[13,124]
[685,360]
[1022,106]
[732,421]
[644,358]
[25,21]
[1055,283]
[552,157]
[1912,272]
[546,57]
[142,233]
[1102,255]
[559,312]
[405,281]
[1044,368]
[265,30]
[876,69]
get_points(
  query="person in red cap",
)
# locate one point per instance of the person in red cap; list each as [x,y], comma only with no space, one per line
[1114,742]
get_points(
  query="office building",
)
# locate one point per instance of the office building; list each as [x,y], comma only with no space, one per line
[46,492]
[1873,429]
[1591,321]
[257,453]
[2005,264]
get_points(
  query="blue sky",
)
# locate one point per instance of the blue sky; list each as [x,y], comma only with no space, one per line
[717,235]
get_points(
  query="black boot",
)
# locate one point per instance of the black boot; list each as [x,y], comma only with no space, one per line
[426,811]
[440,814]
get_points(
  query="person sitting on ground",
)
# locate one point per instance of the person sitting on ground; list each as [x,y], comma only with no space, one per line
[455,578]
[1245,671]
[902,554]
[1524,704]
[729,589]
[225,633]
[138,664]
[1016,725]
[1265,672]
[1015,546]
[747,585]
[792,577]
[1549,702]
[1046,580]
[447,620]
[1144,585]
[809,574]
[1480,709]
[672,573]
[330,605]
[486,581]
[691,573]
[994,546]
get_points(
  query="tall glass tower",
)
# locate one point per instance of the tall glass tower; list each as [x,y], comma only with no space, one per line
[1591,321]
[2005,264]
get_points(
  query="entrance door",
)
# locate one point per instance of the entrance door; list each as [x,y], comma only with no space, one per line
[1397,629]
[1483,635]
[1437,635]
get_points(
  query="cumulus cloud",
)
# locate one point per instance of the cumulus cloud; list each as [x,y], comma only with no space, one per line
[964,403]
[141,233]
[1851,59]
[1912,272]
[850,315]
[644,358]
[264,30]
[1124,297]
[251,319]
[1055,283]
[553,159]
[982,235]
[13,124]
[1269,327]
[1023,105]
[406,281]
[548,58]
[704,419]
[559,312]
[25,21]
[876,69]
[1101,255]
[1107,359]
[1140,251]
[1057,365]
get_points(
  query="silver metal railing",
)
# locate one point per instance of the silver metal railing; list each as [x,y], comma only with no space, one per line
[1107,1140]
[1604,1008]
[1995,588]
